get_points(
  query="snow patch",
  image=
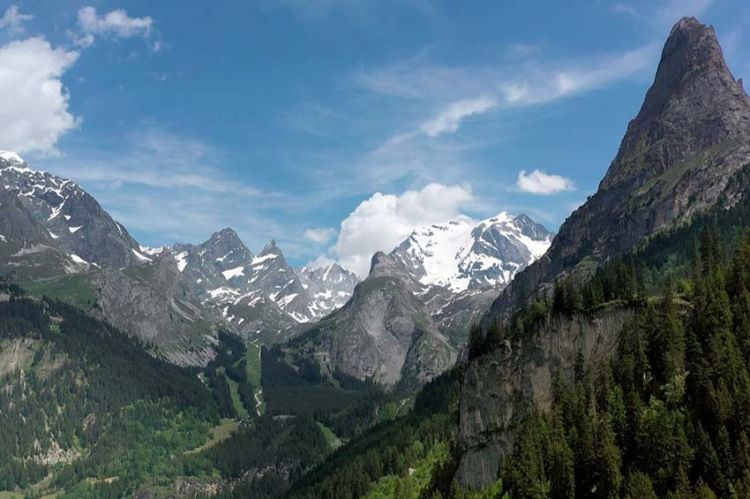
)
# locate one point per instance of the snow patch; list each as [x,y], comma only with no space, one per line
[237,271]
[78,259]
[181,260]
[260,259]
[140,256]
[11,157]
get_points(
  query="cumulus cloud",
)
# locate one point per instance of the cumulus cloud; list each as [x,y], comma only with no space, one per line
[35,103]
[115,23]
[384,220]
[13,19]
[542,183]
[450,118]
[321,235]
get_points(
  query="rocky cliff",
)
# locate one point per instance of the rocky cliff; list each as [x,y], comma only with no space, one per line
[678,157]
[690,136]
[501,387]
[383,334]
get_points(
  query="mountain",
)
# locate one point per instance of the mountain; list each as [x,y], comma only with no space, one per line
[382,334]
[463,254]
[676,158]
[57,240]
[407,322]
[50,225]
[683,156]
[329,286]
[262,297]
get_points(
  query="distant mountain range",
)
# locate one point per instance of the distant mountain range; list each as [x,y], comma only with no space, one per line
[261,296]
[56,239]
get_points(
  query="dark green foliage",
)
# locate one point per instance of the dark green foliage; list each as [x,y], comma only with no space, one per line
[670,412]
[289,392]
[263,444]
[77,393]
[388,448]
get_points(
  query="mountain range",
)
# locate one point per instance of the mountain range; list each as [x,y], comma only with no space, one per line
[488,358]
[58,240]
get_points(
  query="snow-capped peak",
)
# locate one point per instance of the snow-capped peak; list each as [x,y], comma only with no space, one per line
[468,254]
[11,157]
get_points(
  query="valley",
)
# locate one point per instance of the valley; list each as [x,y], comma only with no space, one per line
[476,358]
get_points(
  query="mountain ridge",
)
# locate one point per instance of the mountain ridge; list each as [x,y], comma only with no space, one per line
[657,179]
[678,158]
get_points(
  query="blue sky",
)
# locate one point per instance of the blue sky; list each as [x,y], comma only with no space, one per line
[333,126]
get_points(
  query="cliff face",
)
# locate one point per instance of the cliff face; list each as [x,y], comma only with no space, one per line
[689,139]
[382,334]
[690,136]
[500,388]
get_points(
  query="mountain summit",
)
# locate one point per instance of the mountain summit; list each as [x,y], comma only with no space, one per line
[694,104]
[691,135]
[686,151]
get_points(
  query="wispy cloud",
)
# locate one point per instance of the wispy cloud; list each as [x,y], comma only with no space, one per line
[662,12]
[14,20]
[532,82]
[114,23]
[320,235]
[450,118]
[156,158]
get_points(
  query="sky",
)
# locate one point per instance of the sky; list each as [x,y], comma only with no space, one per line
[334,127]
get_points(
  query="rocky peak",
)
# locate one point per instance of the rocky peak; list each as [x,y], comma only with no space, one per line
[225,238]
[383,264]
[530,228]
[271,249]
[693,104]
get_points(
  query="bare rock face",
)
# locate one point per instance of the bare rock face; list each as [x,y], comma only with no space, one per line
[382,334]
[502,387]
[690,136]
[678,157]
[694,104]
[151,302]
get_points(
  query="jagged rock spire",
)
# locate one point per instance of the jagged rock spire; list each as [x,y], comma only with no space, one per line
[693,104]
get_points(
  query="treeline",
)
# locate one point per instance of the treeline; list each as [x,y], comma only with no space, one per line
[81,374]
[347,408]
[389,448]
[669,415]
[263,456]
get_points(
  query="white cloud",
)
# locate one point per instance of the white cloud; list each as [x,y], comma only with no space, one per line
[155,158]
[533,81]
[450,118]
[541,183]
[384,220]
[321,235]
[35,103]
[13,19]
[659,14]
[546,84]
[115,23]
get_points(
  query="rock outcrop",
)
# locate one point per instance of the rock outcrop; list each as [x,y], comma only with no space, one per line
[690,136]
[678,157]
[501,388]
